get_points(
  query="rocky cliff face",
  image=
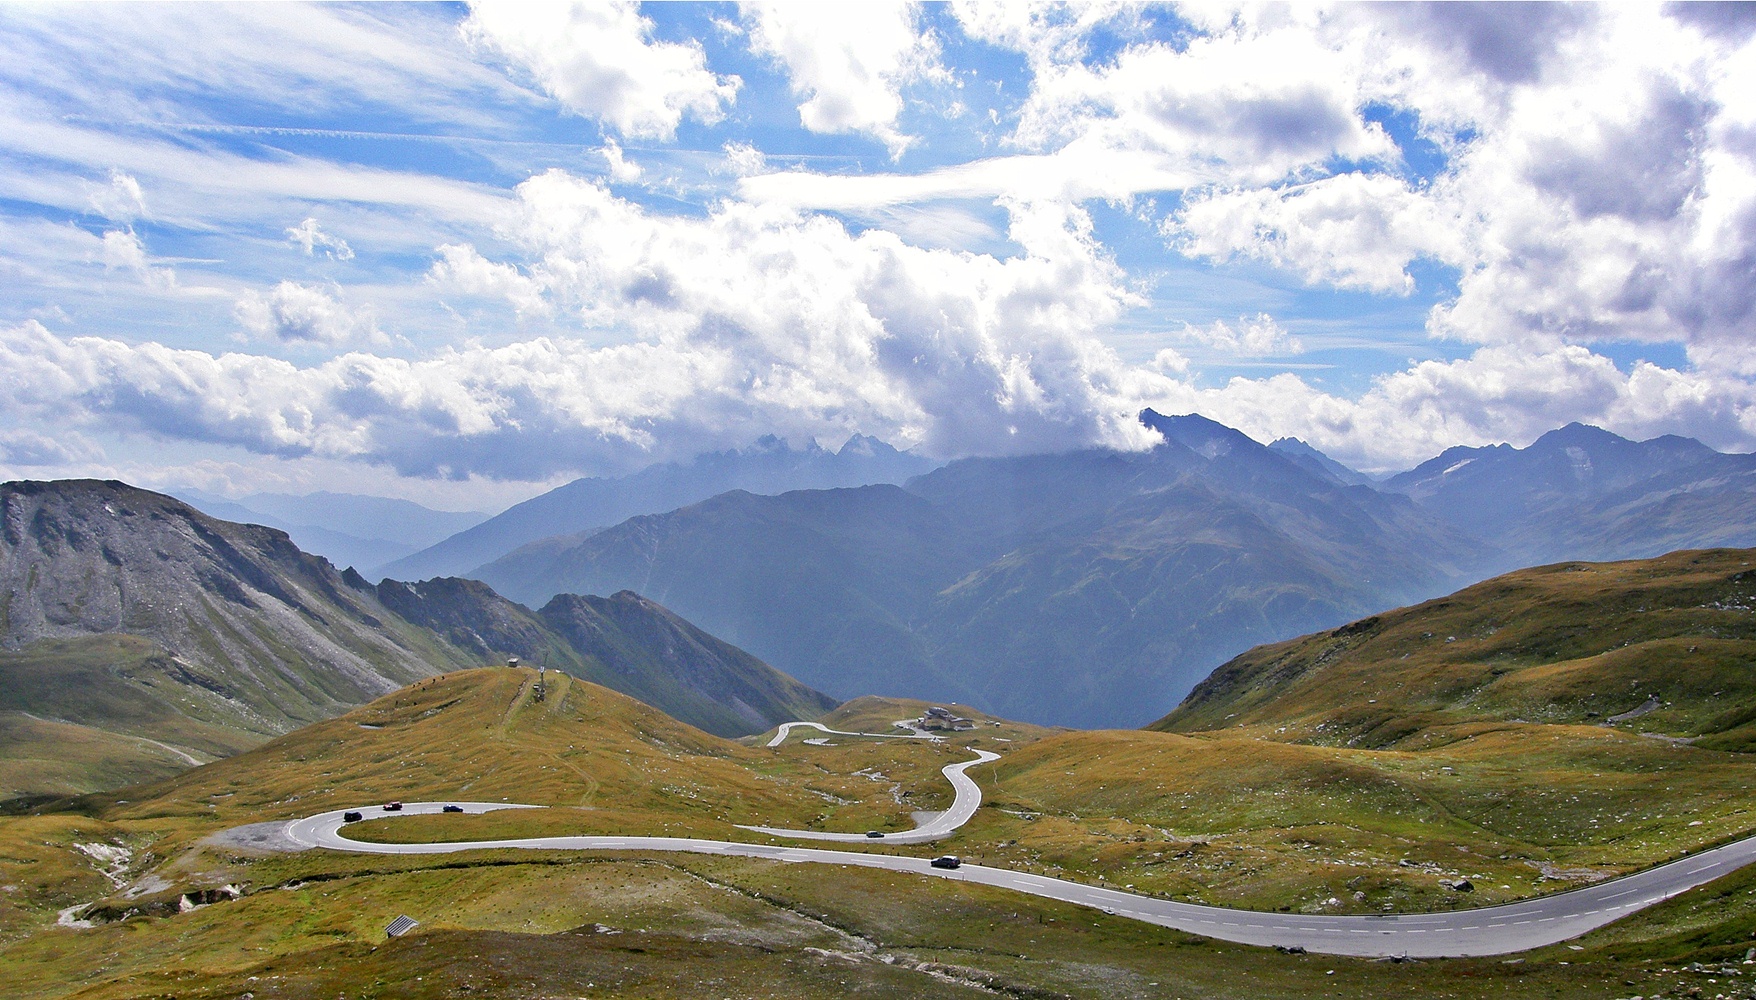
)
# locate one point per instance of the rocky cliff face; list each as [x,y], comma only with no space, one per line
[279,634]
[155,637]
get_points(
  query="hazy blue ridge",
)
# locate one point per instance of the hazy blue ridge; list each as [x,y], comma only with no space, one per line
[770,466]
[1088,588]
[347,529]
[1316,461]
[1584,493]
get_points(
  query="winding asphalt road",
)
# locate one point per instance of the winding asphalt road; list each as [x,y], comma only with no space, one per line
[964,804]
[1492,930]
[786,729]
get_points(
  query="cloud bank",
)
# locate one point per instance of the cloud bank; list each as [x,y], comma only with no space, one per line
[1555,193]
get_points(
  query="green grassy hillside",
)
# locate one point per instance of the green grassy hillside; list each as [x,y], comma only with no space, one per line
[129,684]
[614,763]
[43,758]
[1660,646]
[1221,817]
[1251,822]
[109,710]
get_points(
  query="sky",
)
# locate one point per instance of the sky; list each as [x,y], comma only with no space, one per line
[462,254]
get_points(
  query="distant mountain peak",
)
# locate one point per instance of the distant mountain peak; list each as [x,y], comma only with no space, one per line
[772,444]
[1202,435]
[1304,455]
[1293,444]
[1578,435]
[867,446]
[1584,492]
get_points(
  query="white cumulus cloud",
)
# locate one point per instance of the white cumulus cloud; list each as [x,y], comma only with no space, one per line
[1352,230]
[122,249]
[314,240]
[601,61]
[121,200]
[1235,104]
[847,61]
[749,321]
[741,159]
[294,313]
[463,269]
[622,170]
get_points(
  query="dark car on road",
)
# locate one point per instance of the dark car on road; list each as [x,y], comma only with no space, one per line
[947,861]
[393,807]
[452,809]
[351,817]
[874,834]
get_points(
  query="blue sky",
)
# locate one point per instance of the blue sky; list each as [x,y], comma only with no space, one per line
[464,253]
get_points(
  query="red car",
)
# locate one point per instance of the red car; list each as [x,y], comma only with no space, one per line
[393,807]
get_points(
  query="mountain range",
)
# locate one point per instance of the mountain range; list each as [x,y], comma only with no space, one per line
[133,624]
[1092,588]
[1580,492]
[771,465]
[1497,788]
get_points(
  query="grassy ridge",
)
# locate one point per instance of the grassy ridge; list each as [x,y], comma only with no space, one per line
[44,758]
[1365,768]
[875,714]
[484,735]
[105,711]
[1574,643]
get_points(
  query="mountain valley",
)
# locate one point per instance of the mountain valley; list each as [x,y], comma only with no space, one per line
[1112,582]
[1233,817]
[1541,730]
[1093,588]
[155,637]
